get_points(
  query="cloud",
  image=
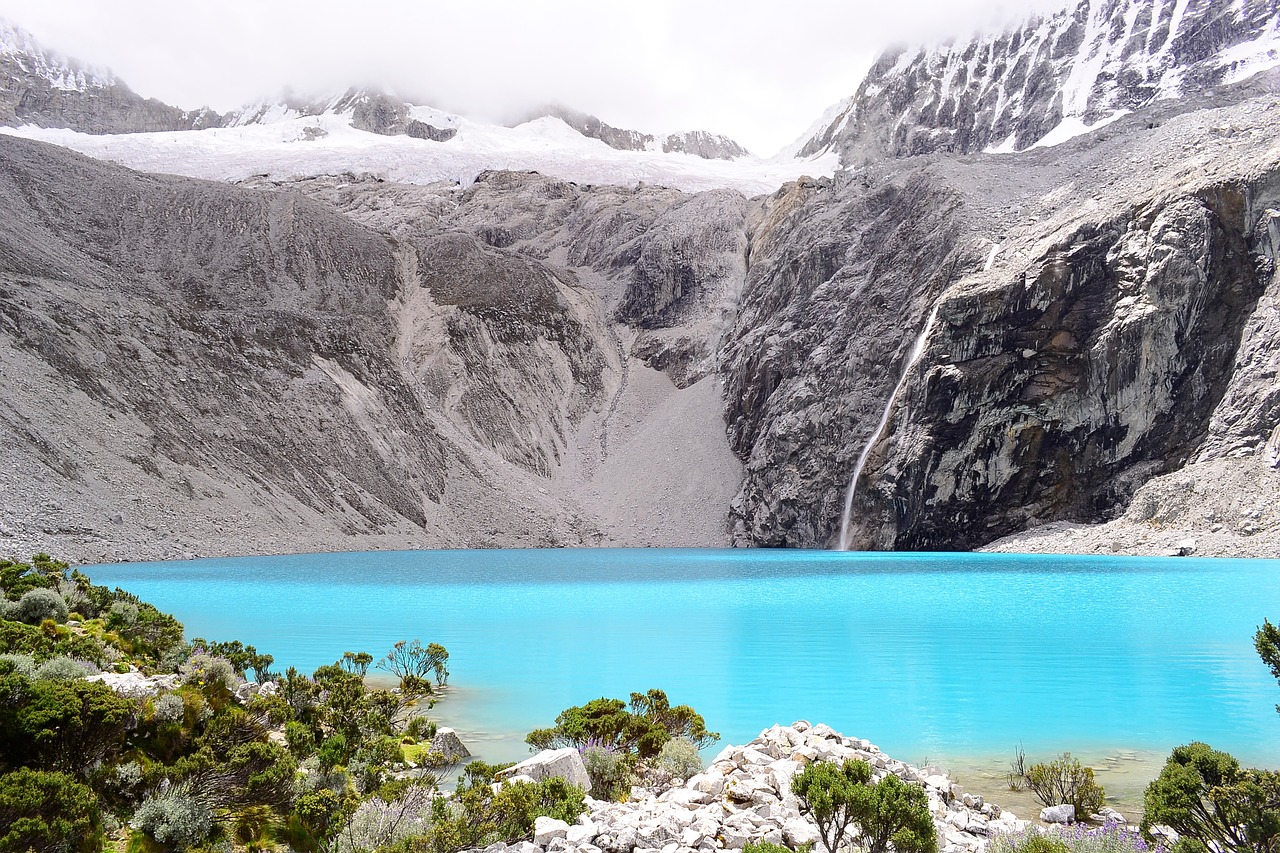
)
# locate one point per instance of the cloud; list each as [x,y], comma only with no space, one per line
[758,71]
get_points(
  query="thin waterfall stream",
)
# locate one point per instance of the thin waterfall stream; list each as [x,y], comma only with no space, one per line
[917,350]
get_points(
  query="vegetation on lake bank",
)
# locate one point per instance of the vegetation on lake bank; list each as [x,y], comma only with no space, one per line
[187,755]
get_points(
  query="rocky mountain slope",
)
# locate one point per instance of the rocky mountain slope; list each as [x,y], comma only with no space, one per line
[1071,345]
[1048,79]
[196,368]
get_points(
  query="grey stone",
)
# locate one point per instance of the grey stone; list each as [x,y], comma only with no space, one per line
[447,743]
[1064,813]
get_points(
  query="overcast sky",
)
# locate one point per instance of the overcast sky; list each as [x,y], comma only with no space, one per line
[760,71]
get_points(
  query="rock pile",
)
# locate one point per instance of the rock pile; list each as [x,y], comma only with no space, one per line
[745,797]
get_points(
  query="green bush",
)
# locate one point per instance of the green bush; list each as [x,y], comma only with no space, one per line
[642,731]
[333,751]
[679,757]
[301,740]
[477,816]
[767,847]
[1066,780]
[41,811]
[1205,795]
[843,802]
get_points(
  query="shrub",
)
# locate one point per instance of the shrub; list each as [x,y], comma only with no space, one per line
[420,728]
[841,798]
[377,823]
[61,669]
[301,740]
[333,751]
[1112,837]
[47,811]
[174,818]
[24,665]
[1205,794]
[414,665]
[679,757]
[205,669]
[767,847]
[609,771]
[169,709]
[37,605]
[651,722]
[1065,780]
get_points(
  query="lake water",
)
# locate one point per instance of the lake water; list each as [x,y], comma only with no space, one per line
[951,657]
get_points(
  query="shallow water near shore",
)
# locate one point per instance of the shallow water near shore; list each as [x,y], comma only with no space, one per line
[953,658]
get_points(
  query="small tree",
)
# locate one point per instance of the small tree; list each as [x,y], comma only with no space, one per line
[828,793]
[413,664]
[841,799]
[1267,642]
[642,731]
[1066,780]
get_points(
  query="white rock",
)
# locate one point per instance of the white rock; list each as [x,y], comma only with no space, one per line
[565,763]
[1065,813]
[545,829]
[581,833]
[798,831]
[710,784]
[135,685]
[521,777]
[689,799]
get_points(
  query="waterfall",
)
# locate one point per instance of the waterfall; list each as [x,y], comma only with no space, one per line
[917,350]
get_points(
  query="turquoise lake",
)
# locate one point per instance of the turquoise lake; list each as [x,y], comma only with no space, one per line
[936,656]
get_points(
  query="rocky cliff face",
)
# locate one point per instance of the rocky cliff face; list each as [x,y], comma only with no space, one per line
[1100,317]
[1050,77]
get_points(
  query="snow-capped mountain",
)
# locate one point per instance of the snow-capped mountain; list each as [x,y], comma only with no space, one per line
[44,88]
[54,99]
[1048,80]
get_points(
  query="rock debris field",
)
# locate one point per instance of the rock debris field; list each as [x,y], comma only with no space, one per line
[745,797]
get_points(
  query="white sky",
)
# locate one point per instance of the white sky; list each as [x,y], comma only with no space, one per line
[760,71]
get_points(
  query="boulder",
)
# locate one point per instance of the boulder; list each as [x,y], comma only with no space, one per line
[581,833]
[447,743]
[1065,813]
[135,685]
[798,831]
[565,763]
[547,829]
